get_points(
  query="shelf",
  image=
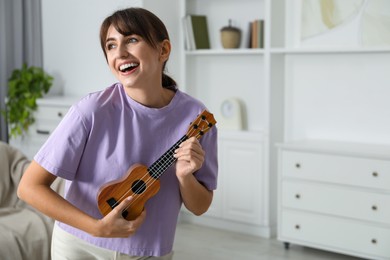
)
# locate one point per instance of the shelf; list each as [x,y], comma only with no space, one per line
[328,50]
[243,51]
[225,52]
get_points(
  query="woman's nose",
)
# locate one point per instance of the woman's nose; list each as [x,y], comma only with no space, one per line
[122,51]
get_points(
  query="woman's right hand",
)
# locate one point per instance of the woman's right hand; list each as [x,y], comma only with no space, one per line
[114,225]
[34,189]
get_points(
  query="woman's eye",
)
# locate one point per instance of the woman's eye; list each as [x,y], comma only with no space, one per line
[110,46]
[132,40]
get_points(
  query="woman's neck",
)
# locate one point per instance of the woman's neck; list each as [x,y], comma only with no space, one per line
[151,97]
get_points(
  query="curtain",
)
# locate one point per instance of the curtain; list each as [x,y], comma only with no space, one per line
[20,42]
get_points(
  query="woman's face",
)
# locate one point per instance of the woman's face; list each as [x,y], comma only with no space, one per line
[132,60]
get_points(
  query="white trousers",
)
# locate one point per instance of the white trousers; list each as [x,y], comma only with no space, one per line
[65,246]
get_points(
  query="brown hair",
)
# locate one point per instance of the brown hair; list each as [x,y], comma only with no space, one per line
[141,22]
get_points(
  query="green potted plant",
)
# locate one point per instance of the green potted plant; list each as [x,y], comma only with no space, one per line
[25,86]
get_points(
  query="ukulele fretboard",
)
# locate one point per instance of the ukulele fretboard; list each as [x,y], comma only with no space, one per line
[165,161]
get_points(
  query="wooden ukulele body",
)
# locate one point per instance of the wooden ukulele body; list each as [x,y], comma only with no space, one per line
[137,183]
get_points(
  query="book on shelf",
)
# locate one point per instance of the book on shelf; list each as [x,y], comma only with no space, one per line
[256,34]
[196,32]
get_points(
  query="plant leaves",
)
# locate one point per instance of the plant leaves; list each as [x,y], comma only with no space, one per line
[25,86]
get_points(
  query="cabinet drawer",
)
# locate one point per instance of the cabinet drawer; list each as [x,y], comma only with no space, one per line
[373,173]
[335,234]
[55,113]
[47,119]
[337,200]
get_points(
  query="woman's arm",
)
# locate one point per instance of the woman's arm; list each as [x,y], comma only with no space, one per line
[190,157]
[34,188]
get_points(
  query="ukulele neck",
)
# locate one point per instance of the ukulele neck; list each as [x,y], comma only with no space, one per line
[165,161]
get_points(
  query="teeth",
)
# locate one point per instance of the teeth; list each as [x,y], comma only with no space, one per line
[127,65]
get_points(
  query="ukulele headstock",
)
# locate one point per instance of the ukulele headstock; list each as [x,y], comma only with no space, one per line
[201,125]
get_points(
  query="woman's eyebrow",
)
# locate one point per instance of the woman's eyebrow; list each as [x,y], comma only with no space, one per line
[110,39]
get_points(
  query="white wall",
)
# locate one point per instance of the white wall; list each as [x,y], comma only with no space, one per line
[339,97]
[71,47]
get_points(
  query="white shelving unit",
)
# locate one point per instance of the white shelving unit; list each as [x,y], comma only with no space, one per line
[245,198]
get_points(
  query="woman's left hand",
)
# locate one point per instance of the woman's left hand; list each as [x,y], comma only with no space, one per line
[190,157]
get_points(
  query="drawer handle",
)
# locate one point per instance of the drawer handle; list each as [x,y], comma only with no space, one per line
[43,132]
[374,207]
[375,174]
[59,114]
[298,196]
[297,227]
[298,165]
[373,241]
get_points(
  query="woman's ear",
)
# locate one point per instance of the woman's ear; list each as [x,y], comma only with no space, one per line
[165,50]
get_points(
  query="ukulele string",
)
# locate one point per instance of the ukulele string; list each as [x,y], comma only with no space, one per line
[165,165]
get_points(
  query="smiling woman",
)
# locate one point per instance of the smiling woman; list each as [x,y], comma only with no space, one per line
[140,26]
[108,133]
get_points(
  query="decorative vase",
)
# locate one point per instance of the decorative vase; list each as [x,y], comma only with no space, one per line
[230,36]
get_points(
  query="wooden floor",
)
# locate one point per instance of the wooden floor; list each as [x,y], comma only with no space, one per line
[198,243]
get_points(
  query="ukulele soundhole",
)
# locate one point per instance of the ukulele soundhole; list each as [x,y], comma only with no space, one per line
[138,186]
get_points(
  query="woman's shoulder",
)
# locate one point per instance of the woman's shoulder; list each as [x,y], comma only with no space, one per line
[99,100]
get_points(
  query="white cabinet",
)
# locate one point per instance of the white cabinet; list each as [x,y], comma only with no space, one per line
[335,196]
[241,200]
[242,179]
[50,112]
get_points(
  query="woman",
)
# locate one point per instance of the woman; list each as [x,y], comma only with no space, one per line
[105,133]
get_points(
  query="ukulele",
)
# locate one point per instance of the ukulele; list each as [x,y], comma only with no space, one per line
[142,182]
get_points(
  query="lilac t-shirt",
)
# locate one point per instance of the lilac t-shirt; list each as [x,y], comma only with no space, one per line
[102,136]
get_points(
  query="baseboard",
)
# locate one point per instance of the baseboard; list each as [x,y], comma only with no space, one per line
[253,230]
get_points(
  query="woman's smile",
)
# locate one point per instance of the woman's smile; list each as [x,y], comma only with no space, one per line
[128,68]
